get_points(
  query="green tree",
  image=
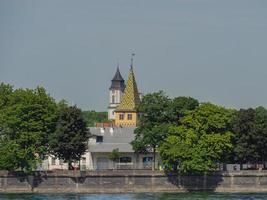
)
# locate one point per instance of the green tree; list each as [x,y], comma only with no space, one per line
[261,132]
[26,117]
[69,141]
[200,140]
[179,106]
[114,156]
[244,128]
[92,117]
[250,128]
[152,124]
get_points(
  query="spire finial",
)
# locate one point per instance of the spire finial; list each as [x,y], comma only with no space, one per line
[118,63]
[133,54]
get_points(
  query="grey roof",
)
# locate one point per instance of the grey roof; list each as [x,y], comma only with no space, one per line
[118,76]
[117,82]
[119,138]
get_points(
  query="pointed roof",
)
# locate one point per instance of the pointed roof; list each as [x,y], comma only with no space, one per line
[118,76]
[117,82]
[130,99]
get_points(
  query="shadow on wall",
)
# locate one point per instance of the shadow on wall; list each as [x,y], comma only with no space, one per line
[194,181]
[33,178]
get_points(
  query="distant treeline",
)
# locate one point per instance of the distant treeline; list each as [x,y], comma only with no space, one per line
[93,117]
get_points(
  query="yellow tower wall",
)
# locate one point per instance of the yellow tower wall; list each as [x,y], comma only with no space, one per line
[125,122]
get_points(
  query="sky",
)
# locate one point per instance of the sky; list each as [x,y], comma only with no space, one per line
[212,50]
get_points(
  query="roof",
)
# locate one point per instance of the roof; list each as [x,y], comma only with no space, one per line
[130,99]
[113,138]
[117,82]
[118,76]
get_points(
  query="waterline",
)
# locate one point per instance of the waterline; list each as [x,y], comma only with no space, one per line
[142,196]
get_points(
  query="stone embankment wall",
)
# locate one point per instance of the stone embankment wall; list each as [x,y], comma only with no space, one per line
[131,181]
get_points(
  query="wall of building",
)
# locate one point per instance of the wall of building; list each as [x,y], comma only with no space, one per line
[126,122]
[132,181]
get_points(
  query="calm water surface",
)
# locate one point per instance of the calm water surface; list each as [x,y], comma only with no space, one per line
[146,196]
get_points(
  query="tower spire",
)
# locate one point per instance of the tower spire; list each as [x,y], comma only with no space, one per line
[133,54]
[118,64]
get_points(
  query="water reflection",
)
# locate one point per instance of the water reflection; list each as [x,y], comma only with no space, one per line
[145,196]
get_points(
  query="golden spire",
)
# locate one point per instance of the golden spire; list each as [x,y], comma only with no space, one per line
[130,99]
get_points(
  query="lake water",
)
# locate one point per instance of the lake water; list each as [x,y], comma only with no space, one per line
[145,196]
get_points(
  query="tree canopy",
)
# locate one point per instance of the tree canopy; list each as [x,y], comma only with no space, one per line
[158,112]
[27,117]
[69,141]
[250,141]
[199,141]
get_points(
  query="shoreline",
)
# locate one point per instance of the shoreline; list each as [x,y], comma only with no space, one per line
[131,181]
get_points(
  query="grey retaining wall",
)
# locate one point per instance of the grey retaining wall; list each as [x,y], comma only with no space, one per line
[131,181]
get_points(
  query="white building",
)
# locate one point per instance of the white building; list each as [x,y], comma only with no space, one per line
[107,138]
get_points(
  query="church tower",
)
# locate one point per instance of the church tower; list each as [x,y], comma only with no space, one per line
[115,93]
[126,113]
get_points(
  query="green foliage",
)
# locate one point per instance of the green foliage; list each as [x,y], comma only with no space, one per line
[154,109]
[154,115]
[179,106]
[69,141]
[92,117]
[114,155]
[158,113]
[26,119]
[200,140]
[250,127]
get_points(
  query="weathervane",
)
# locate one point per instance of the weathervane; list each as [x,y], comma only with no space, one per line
[133,54]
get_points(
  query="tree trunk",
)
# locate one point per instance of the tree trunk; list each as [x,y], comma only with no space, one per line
[154,159]
[70,165]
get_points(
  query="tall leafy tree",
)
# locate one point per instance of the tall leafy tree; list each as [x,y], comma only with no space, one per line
[200,140]
[158,113]
[27,117]
[69,141]
[250,128]
[244,128]
[179,106]
[261,132]
[152,124]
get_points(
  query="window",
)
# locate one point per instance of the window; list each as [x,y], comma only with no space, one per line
[99,138]
[147,162]
[53,161]
[113,99]
[147,159]
[121,117]
[125,159]
[129,117]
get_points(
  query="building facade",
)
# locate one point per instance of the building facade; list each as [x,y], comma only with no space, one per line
[116,136]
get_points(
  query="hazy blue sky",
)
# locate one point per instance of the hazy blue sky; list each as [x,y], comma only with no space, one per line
[208,49]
